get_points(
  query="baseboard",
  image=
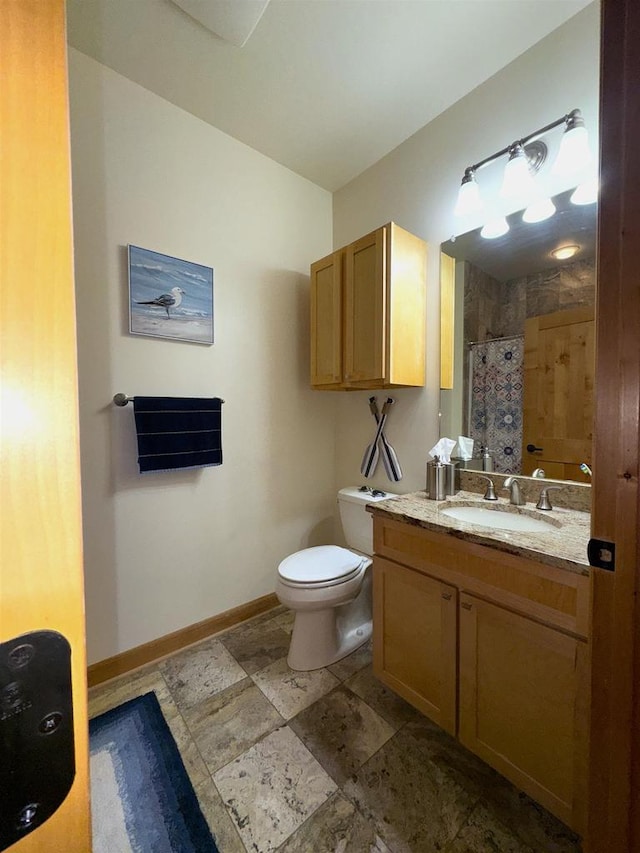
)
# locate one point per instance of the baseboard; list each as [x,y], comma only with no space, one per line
[163,646]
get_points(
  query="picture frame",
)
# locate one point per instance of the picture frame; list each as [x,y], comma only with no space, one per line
[169,297]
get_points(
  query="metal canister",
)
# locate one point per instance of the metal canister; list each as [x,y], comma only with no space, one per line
[451,478]
[436,482]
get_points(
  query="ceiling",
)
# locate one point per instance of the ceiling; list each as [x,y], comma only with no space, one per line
[324,87]
[526,248]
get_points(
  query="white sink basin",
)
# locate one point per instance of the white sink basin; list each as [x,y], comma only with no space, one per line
[498,519]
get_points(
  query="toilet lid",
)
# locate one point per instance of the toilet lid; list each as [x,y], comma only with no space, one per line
[320,564]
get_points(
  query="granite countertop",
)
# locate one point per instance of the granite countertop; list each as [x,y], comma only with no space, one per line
[564,545]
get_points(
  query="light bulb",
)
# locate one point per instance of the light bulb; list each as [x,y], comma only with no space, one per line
[469,200]
[586,192]
[565,252]
[495,228]
[574,153]
[539,211]
[517,182]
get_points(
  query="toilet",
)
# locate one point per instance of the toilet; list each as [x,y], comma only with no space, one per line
[329,588]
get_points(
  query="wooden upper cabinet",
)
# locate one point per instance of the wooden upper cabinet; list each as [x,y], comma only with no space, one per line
[368,312]
[326,320]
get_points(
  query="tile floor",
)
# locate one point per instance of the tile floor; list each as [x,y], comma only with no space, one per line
[327,761]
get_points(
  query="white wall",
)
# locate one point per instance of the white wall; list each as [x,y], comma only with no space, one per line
[416,186]
[163,551]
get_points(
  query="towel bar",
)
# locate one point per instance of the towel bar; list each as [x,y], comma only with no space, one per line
[122,399]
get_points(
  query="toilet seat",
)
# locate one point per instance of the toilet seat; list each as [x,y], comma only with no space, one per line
[321,566]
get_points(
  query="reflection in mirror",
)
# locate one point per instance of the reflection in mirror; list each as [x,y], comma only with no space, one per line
[519,375]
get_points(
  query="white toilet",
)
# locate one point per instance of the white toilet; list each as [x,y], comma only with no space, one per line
[329,588]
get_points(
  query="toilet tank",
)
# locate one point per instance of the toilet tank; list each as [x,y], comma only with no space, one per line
[357,523]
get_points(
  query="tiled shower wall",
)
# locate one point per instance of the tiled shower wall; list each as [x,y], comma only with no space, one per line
[496,309]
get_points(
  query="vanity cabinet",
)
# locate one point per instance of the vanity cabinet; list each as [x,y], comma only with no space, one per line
[368,313]
[415,625]
[520,689]
[491,647]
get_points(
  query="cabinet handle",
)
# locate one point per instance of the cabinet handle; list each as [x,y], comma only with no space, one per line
[446,596]
[465,605]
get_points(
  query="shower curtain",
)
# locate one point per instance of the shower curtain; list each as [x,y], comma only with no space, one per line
[496,400]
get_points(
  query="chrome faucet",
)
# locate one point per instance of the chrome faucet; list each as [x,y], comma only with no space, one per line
[513,485]
[543,501]
[490,494]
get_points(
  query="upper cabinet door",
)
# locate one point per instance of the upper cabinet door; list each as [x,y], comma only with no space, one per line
[365,308]
[326,320]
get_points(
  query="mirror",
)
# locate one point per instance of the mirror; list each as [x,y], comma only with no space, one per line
[518,336]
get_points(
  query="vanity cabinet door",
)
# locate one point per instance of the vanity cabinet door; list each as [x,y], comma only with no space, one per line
[326,321]
[522,703]
[414,639]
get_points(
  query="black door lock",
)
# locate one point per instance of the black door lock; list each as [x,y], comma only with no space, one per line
[37,755]
[531,448]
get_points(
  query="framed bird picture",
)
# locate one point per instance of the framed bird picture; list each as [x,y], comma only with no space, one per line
[169,298]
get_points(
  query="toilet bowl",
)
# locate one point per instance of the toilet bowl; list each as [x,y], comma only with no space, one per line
[329,589]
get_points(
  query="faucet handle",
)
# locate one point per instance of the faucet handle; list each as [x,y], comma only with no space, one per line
[543,500]
[490,494]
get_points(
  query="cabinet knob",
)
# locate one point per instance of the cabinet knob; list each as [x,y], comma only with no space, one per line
[446,596]
[465,605]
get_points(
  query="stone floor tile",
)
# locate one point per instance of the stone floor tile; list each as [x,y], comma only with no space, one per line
[200,672]
[285,620]
[445,751]
[342,732]
[384,701]
[336,827]
[188,749]
[222,827]
[482,832]
[112,693]
[532,823]
[353,663]
[291,691]
[271,789]
[256,645]
[230,722]
[115,693]
[411,802]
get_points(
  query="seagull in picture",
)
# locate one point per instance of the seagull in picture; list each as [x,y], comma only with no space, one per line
[166,300]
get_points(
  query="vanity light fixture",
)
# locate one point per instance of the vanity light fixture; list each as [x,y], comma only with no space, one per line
[574,154]
[539,210]
[495,228]
[469,200]
[518,181]
[586,192]
[563,253]
[525,157]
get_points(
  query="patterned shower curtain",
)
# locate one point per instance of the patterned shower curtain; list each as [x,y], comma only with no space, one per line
[496,400]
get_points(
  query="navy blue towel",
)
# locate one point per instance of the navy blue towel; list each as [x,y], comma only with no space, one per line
[178,432]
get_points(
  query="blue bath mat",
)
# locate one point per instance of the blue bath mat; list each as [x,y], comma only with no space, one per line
[141,798]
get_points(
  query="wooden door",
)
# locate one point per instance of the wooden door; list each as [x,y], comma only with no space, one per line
[365,308]
[414,639]
[614,771]
[559,367]
[41,569]
[523,703]
[326,321]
